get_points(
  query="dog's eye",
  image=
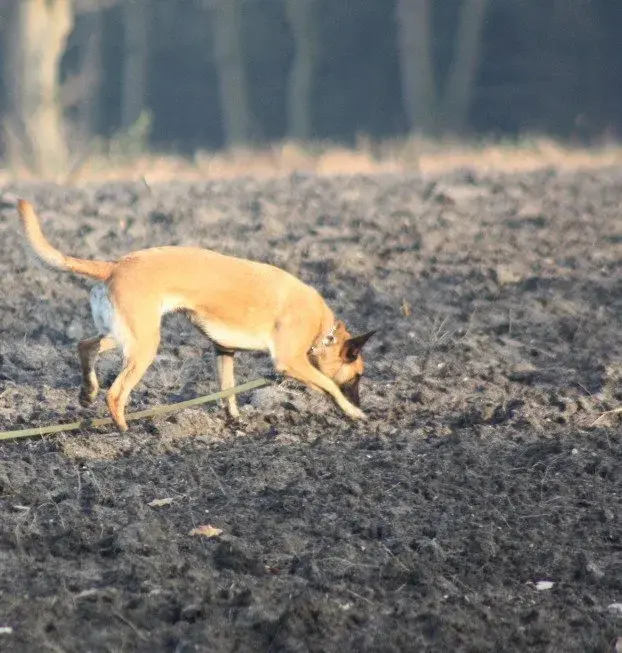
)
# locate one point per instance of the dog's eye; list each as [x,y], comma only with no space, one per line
[330,340]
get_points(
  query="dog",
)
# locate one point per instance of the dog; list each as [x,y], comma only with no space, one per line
[237,303]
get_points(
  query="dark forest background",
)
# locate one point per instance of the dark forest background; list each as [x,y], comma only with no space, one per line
[186,75]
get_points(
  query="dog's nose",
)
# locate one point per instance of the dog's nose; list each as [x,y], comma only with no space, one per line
[351,391]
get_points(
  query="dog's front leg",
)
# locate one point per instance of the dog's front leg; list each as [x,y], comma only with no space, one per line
[224,365]
[300,368]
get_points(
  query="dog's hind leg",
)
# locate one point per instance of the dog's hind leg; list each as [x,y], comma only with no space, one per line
[224,365]
[139,354]
[88,351]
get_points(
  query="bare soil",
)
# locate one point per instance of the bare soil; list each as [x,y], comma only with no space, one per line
[482,471]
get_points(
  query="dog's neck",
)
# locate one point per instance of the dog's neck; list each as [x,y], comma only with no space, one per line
[323,340]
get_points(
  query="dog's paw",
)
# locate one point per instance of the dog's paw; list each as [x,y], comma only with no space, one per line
[232,420]
[86,397]
[357,413]
[121,426]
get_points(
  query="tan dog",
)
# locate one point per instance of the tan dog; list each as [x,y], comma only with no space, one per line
[238,304]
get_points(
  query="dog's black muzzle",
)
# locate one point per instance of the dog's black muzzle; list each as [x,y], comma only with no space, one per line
[351,391]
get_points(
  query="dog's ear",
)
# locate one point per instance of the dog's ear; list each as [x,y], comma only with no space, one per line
[351,348]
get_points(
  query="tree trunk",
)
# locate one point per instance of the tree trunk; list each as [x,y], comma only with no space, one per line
[37,34]
[135,58]
[465,63]
[302,16]
[416,64]
[229,54]
[90,74]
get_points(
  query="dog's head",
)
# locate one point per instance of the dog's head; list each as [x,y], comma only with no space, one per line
[339,357]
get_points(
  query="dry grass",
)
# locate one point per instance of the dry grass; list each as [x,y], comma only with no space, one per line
[368,157]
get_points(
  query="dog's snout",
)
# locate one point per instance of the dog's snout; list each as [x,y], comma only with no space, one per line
[351,391]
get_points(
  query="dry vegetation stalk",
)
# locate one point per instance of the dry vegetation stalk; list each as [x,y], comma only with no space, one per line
[150,412]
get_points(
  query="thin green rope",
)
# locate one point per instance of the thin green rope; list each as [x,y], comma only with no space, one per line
[150,412]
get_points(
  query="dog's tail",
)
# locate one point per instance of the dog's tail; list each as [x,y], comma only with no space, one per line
[100,270]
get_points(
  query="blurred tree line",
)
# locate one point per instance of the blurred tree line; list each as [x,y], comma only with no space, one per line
[184,75]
